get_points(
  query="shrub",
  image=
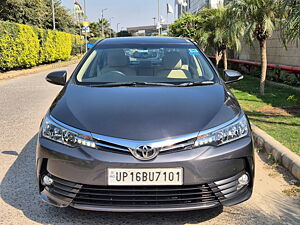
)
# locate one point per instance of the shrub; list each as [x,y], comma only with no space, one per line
[289,78]
[255,71]
[62,45]
[77,45]
[274,74]
[8,48]
[292,98]
[28,45]
[25,46]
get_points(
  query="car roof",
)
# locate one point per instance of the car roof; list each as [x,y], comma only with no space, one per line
[144,40]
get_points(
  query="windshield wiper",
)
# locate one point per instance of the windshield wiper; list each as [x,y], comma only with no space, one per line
[129,84]
[137,83]
[197,83]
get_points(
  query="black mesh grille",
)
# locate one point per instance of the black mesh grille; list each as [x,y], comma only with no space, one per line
[144,195]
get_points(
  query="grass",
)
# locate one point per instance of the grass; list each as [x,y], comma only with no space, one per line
[277,112]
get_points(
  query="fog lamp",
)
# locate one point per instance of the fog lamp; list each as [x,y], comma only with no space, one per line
[47,181]
[243,181]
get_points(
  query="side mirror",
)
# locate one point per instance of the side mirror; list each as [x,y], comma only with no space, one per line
[57,77]
[232,76]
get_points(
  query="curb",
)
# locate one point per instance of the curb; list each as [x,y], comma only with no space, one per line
[17,73]
[281,154]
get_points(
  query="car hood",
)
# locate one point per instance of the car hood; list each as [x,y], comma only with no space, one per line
[144,113]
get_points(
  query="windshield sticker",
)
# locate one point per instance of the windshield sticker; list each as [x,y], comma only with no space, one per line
[143,50]
[193,51]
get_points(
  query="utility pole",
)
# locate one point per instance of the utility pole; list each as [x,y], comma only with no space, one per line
[118,27]
[167,18]
[110,26]
[85,18]
[158,16]
[102,24]
[84,5]
[53,14]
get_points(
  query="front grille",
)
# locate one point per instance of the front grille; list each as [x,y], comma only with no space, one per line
[181,144]
[144,195]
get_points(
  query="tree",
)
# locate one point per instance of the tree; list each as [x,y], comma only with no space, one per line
[291,25]
[259,19]
[37,13]
[219,36]
[188,25]
[64,21]
[106,27]
[207,28]
[96,29]
[210,29]
[31,12]
[226,34]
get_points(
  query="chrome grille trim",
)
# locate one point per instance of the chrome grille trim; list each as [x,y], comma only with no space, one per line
[178,146]
[111,147]
[124,145]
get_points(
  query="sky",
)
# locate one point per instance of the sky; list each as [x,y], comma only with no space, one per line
[129,13]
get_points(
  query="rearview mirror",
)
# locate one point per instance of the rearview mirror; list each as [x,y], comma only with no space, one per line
[232,76]
[57,77]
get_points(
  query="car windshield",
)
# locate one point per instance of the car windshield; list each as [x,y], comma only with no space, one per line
[163,64]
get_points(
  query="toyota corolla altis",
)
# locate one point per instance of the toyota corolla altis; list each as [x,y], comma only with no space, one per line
[145,124]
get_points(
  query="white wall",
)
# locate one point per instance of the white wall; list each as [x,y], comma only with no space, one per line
[276,52]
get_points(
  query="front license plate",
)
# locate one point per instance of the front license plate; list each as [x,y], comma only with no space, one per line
[157,176]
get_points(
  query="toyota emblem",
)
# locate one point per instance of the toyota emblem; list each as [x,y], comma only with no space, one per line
[145,152]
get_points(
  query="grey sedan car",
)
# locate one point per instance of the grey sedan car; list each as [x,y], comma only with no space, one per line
[145,124]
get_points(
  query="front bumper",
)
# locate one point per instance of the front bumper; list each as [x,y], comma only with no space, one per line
[80,178]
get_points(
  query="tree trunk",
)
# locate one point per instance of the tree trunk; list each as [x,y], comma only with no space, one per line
[224,52]
[218,55]
[263,53]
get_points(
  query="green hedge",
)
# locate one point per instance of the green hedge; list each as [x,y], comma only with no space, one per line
[23,46]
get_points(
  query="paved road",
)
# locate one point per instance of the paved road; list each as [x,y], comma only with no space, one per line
[24,101]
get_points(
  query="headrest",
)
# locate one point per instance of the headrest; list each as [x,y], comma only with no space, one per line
[117,58]
[172,61]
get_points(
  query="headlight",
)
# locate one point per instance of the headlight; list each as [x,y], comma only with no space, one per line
[57,132]
[226,134]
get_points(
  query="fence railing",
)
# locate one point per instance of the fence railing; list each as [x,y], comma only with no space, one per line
[295,69]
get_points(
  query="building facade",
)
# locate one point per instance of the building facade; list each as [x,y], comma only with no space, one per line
[194,6]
